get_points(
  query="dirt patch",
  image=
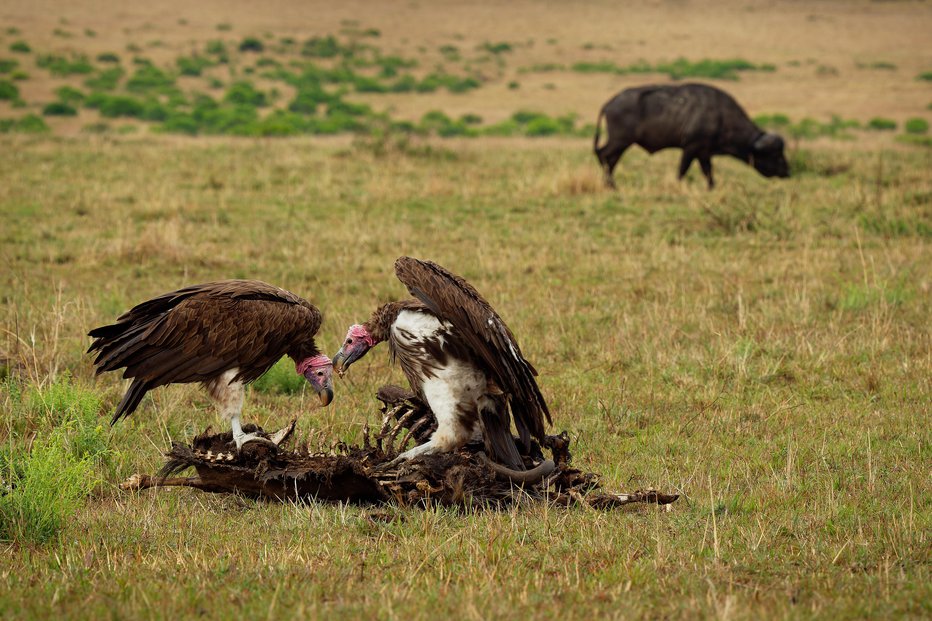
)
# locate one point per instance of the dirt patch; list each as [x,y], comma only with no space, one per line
[367,474]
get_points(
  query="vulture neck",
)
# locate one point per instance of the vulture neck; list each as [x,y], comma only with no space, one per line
[380,324]
[300,351]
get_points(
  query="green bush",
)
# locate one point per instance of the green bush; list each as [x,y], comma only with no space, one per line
[108,57]
[216,47]
[149,78]
[7,65]
[113,106]
[47,486]
[59,108]
[244,93]
[251,44]
[48,481]
[281,378]
[324,47]
[775,121]
[20,75]
[543,127]
[106,80]
[69,94]
[678,69]
[925,75]
[29,124]
[61,66]
[20,46]
[193,65]
[8,91]
[496,48]
[916,126]
[880,123]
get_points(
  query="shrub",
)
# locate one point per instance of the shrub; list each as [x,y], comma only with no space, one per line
[543,126]
[496,48]
[251,44]
[59,108]
[925,75]
[47,486]
[471,119]
[61,66]
[776,121]
[7,65]
[8,91]
[106,80]
[916,126]
[216,47]
[323,47]
[48,481]
[193,65]
[31,124]
[281,378]
[880,123]
[20,75]
[149,78]
[20,46]
[113,106]
[69,94]
[108,57]
[244,93]
[514,85]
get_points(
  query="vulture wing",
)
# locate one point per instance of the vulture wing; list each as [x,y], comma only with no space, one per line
[454,300]
[196,333]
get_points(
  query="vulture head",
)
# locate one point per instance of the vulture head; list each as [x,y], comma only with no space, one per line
[318,370]
[358,341]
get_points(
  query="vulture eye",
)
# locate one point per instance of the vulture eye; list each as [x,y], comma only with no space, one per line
[320,374]
[349,341]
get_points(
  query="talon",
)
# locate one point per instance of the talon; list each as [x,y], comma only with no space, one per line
[252,437]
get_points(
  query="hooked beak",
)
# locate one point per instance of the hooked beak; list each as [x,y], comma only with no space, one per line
[326,394]
[343,360]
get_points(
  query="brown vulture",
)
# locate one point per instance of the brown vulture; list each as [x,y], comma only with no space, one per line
[460,358]
[223,334]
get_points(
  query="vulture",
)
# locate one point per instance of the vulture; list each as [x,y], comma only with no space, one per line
[223,334]
[460,358]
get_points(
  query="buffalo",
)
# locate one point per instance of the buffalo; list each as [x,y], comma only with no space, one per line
[701,120]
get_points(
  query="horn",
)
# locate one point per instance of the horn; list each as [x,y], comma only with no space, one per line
[768,142]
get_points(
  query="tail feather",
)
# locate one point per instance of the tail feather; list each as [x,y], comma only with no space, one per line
[131,399]
[498,440]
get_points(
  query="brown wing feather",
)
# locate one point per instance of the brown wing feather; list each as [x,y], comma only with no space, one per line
[196,333]
[454,300]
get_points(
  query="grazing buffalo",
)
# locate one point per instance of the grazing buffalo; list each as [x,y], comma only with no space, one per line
[701,120]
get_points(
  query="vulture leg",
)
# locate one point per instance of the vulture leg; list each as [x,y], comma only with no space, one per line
[229,395]
[456,419]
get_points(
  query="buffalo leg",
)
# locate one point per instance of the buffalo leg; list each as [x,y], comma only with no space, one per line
[685,161]
[706,163]
[608,158]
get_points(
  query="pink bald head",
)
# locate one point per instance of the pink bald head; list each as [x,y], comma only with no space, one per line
[313,364]
[359,332]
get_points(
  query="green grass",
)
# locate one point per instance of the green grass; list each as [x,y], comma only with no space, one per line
[762,349]
[678,69]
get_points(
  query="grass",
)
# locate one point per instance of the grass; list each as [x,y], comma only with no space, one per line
[763,349]
[678,69]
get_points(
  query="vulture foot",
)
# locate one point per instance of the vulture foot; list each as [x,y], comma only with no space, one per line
[252,437]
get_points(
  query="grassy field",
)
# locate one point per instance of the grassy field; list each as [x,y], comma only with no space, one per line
[763,349]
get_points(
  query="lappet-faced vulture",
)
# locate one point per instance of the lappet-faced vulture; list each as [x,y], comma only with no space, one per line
[223,334]
[460,358]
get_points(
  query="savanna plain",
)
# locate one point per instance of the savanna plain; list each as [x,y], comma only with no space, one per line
[762,349]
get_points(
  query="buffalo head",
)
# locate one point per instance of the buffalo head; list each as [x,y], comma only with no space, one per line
[767,156]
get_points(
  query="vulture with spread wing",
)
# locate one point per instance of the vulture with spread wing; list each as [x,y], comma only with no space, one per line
[223,334]
[460,358]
